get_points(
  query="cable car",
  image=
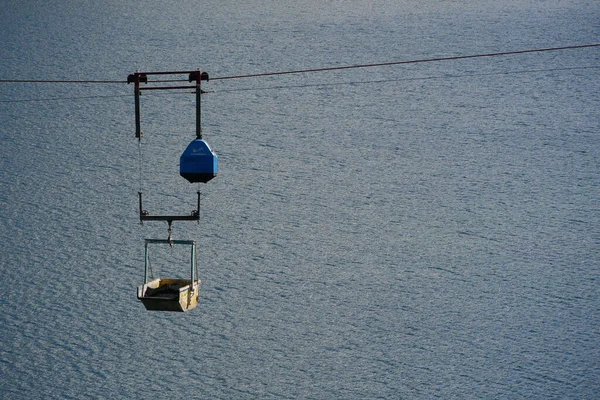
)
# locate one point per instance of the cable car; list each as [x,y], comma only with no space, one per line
[198,163]
[170,294]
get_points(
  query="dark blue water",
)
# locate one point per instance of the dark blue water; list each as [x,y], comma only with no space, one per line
[418,231]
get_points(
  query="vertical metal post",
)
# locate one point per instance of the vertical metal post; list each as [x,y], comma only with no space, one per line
[192,265]
[138,124]
[141,209]
[198,206]
[198,106]
[146,263]
[196,261]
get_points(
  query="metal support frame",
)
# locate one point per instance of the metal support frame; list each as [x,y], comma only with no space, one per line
[193,256]
[146,216]
[142,77]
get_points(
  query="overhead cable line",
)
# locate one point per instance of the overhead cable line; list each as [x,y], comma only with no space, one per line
[79,81]
[324,69]
[425,60]
[57,81]
[423,78]
[309,85]
[65,98]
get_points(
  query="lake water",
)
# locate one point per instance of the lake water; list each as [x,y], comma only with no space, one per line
[419,231]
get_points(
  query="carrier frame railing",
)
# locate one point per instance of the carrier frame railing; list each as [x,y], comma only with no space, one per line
[193,256]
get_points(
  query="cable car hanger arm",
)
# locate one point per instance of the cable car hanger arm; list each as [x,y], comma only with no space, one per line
[146,216]
[142,77]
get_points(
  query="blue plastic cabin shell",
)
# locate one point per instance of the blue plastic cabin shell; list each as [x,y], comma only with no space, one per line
[198,163]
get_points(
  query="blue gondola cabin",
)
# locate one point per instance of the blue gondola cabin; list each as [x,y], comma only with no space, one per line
[198,163]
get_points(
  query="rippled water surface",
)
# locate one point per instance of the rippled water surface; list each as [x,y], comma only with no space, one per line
[419,231]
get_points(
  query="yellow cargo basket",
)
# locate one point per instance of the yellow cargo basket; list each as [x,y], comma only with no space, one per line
[170,294]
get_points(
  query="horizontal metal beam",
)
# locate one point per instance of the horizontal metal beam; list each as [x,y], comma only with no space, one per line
[165,87]
[166,241]
[146,216]
[170,217]
[167,72]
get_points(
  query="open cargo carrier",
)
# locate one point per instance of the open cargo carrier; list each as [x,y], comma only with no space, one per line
[170,294]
